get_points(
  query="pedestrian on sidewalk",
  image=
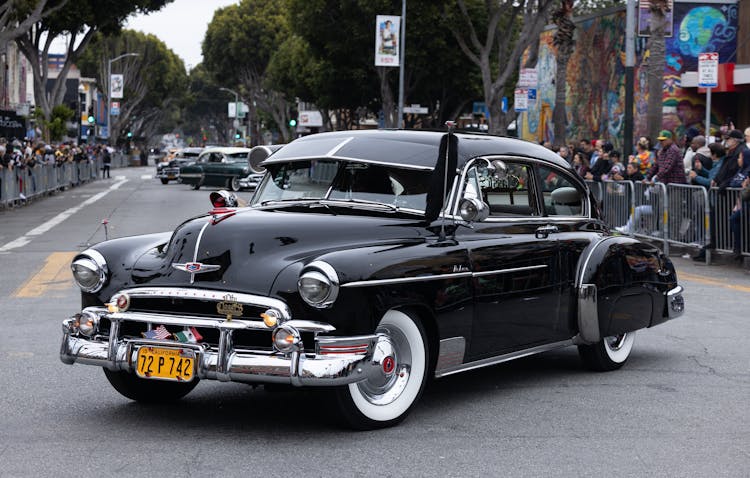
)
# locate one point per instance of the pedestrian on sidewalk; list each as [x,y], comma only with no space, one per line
[106,162]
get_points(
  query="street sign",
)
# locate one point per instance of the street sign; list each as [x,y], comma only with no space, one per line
[527,77]
[532,94]
[521,102]
[115,109]
[708,70]
[416,109]
[104,132]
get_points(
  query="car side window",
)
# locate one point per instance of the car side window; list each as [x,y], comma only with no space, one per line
[561,195]
[504,187]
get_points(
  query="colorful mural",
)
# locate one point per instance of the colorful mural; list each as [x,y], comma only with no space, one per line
[596,75]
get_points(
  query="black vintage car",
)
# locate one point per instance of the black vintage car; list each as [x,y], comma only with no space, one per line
[370,262]
[169,168]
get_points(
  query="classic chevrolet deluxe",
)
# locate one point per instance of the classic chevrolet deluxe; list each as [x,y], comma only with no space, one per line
[370,262]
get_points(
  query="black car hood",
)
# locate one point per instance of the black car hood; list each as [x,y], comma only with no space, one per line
[253,246]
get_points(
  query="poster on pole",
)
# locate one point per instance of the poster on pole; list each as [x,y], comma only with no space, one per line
[117,86]
[521,100]
[708,70]
[644,19]
[387,41]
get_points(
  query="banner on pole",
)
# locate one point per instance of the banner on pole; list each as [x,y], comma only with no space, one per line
[117,83]
[521,100]
[644,19]
[387,41]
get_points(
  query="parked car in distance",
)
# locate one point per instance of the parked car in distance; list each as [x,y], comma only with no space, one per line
[368,263]
[169,169]
[218,167]
[257,155]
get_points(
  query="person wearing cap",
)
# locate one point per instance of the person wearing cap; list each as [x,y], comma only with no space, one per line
[730,166]
[668,167]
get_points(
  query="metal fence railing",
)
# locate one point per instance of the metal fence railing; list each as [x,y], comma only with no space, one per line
[20,185]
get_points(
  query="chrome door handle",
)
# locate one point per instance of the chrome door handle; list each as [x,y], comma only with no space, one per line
[543,231]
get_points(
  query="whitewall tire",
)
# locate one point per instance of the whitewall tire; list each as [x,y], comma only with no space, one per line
[386,398]
[610,353]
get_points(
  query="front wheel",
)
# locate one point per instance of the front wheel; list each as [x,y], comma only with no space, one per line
[198,185]
[610,353]
[233,183]
[148,391]
[164,180]
[385,398]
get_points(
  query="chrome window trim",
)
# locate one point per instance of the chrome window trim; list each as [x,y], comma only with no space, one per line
[453,275]
[210,294]
[336,148]
[537,195]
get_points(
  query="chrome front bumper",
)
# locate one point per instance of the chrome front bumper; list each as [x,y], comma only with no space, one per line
[336,360]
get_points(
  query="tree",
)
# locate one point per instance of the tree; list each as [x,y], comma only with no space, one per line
[509,27]
[155,81]
[17,17]
[655,68]
[237,48]
[563,40]
[205,108]
[79,20]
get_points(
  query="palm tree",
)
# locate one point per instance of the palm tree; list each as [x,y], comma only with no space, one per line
[655,67]
[563,40]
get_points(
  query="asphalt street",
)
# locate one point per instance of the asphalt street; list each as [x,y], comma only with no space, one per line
[680,406]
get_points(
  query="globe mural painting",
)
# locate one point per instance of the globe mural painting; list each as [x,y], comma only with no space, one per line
[703,29]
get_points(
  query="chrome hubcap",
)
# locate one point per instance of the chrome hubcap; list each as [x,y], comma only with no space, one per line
[388,381]
[616,342]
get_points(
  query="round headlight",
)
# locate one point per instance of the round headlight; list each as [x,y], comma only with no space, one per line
[318,284]
[89,271]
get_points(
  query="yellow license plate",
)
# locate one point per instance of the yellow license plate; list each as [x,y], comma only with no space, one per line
[165,363]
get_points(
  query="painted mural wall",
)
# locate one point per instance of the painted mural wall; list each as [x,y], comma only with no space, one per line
[596,75]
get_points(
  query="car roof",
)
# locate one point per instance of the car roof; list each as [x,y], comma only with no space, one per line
[226,150]
[406,148]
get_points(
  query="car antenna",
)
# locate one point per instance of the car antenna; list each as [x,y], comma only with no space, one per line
[450,154]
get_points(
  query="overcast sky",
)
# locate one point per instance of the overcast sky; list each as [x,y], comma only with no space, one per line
[181,25]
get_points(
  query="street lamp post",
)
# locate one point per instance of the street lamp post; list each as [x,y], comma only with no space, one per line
[109,91]
[236,124]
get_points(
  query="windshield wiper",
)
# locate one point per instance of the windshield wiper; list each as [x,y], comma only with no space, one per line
[290,200]
[365,202]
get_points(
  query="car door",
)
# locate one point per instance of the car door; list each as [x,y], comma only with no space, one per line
[514,256]
[213,169]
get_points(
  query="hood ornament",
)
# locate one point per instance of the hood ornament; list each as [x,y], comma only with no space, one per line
[195,268]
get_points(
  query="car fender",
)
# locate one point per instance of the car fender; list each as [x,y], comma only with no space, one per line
[619,285]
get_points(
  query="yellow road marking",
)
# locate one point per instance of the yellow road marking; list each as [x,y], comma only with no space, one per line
[53,276]
[704,280]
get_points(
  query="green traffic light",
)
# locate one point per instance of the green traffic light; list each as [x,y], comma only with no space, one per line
[91,119]
[292,122]
[130,134]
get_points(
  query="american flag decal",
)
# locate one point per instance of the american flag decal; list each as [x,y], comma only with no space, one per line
[159,333]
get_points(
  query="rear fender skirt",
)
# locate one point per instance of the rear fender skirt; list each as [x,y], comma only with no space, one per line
[586,292]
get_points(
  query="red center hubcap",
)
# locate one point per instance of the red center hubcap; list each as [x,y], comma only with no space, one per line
[388,364]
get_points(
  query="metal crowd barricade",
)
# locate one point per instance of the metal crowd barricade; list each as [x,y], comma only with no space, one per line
[690,216]
[617,202]
[650,211]
[596,189]
[724,202]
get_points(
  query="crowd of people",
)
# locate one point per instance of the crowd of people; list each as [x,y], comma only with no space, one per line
[20,161]
[721,161]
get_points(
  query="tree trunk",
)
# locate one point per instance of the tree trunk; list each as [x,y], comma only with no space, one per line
[655,68]
[386,98]
[564,41]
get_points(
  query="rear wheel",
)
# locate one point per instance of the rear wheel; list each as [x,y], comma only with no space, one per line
[148,391]
[164,180]
[610,353]
[385,398]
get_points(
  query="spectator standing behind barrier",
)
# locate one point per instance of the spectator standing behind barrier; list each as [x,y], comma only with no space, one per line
[742,208]
[581,163]
[602,164]
[643,155]
[730,166]
[696,143]
[702,173]
[632,173]
[669,167]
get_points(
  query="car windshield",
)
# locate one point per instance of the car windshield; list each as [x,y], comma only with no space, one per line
[236,157]
[345,181]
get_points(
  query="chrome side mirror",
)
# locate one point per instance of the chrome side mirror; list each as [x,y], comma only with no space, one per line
[472,209]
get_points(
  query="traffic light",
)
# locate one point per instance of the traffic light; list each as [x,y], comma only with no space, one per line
[292,122]
[90,118]
[293,117]
[237,134]
[130,134]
